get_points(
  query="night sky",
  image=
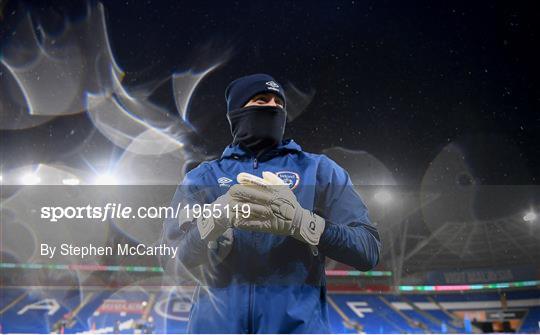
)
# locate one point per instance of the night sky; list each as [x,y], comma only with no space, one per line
[398,80]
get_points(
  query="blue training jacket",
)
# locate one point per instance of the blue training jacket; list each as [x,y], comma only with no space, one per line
[266,283]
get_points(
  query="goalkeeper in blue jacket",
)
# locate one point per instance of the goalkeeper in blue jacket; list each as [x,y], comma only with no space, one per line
[275,213]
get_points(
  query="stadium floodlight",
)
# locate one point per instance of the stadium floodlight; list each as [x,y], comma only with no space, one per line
[71,181]
[383,197]
[105,179]
[530,216]
[30,179]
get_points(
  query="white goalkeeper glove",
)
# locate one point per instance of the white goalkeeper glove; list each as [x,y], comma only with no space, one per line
[221,219]
[275,209]
[215,225]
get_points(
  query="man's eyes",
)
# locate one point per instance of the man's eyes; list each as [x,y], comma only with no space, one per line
[264,100]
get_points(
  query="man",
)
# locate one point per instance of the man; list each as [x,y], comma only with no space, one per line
[261,268]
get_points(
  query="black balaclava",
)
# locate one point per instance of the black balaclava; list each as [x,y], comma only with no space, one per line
[257,128]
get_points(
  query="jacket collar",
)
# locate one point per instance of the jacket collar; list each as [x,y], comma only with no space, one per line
[285,146]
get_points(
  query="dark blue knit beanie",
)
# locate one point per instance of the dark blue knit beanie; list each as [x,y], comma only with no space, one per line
[242,89]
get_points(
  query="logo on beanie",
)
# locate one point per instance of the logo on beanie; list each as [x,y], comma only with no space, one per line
[290,178]
[272,85]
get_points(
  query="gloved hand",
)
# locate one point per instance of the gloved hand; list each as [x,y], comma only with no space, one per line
[213,227]
[275,209]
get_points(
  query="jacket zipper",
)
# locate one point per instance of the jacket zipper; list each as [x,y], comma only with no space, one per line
[250,310]
[250,307]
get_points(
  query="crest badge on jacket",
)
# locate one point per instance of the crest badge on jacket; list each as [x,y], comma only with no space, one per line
[290,178]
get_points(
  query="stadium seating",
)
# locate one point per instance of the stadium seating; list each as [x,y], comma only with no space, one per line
[531,321]
[38,310]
